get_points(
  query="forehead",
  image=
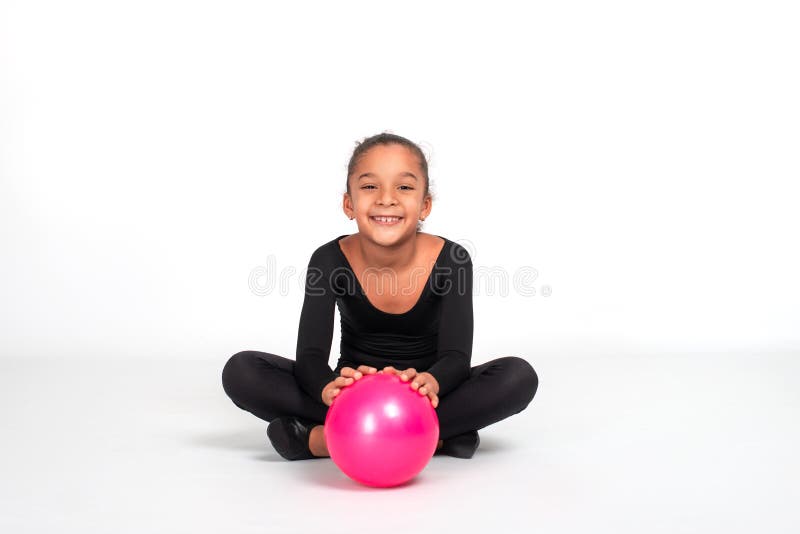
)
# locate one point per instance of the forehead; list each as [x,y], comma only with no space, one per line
[389,157]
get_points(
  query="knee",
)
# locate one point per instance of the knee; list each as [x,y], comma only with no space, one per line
[235,373]
[523,379]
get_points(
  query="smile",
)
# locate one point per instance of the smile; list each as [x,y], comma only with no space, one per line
[386,221]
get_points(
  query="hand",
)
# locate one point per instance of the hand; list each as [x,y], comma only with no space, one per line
[424,383]
[346,377]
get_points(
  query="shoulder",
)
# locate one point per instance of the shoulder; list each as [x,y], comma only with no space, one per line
[327,270]
[453,254]
[327,255]
[453,270]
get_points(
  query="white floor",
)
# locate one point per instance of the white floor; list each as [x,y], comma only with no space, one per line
[653,443]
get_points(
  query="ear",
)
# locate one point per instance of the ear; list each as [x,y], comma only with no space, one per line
[427,205]
[347,206]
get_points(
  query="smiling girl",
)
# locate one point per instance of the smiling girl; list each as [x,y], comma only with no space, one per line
[421,332]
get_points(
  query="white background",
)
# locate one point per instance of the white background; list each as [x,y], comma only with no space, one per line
[641,157]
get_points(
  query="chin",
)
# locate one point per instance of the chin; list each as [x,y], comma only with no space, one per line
[388,235]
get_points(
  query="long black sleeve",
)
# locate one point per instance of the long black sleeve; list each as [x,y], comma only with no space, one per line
[315,332]
[454,352]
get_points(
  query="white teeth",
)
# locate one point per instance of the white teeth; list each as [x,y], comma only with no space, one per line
[387,219]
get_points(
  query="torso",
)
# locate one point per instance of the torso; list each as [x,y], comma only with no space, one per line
[394,291]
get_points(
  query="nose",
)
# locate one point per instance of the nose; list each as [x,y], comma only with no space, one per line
[387,198]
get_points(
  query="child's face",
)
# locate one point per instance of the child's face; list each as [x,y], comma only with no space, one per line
[387,181]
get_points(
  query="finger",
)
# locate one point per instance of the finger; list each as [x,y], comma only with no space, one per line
[424,383]
[434,400]
[408,374]
[427,381]
[367,370]
[389,369]
[343,380]
[419,381]
[350,372]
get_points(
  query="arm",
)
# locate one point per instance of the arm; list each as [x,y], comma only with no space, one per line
[455,329]
[315,332]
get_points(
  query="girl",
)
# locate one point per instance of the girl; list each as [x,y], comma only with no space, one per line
[423,333]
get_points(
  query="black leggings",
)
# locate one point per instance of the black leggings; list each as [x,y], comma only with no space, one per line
[264,385]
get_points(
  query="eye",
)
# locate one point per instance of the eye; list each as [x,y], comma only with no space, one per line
[370,186]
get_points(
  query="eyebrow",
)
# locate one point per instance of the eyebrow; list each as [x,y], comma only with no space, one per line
[402,174]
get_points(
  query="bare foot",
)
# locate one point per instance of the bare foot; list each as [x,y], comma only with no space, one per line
[316,441]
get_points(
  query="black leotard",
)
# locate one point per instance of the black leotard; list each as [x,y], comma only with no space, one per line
[434,336]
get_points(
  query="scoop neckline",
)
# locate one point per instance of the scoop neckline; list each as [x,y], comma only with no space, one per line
[425,289]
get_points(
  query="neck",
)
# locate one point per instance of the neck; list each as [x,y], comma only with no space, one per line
[397,256]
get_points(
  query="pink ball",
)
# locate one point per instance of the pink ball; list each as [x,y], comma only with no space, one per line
[381,432]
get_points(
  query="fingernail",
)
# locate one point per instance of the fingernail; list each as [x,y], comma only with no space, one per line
[404,377]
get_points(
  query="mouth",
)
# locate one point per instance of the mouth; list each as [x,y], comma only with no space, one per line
[386,221]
